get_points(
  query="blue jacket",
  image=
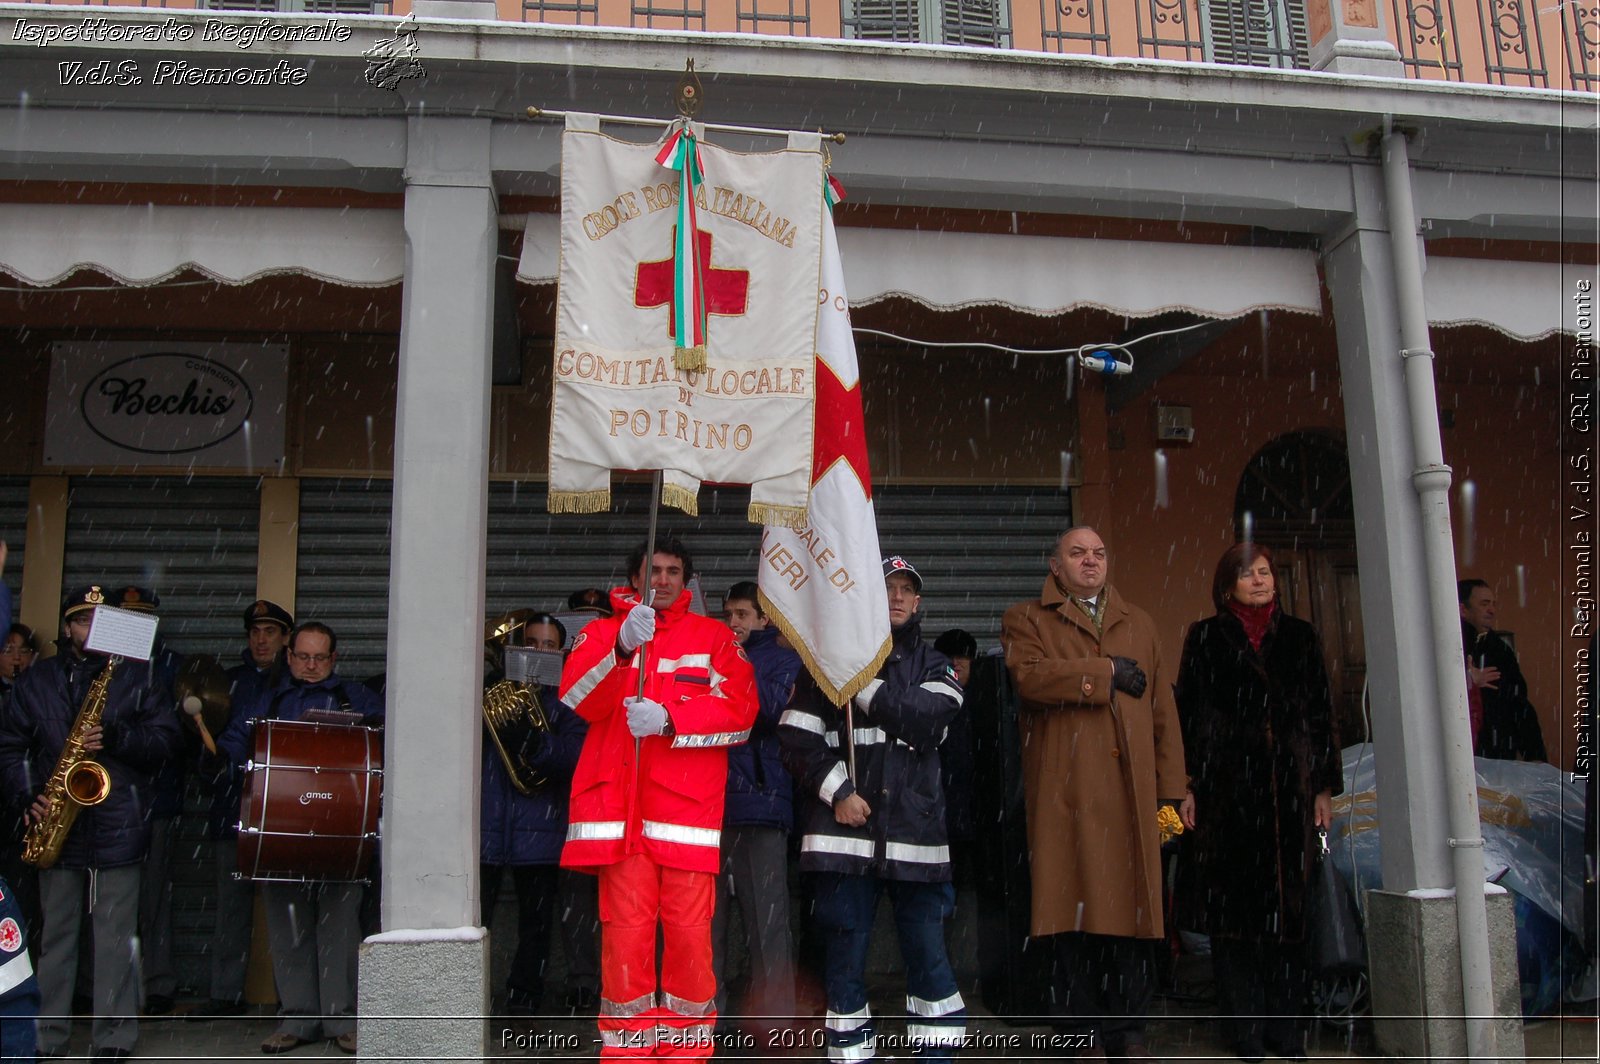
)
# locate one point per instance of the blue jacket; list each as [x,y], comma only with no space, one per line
[897,768]
[530,829]
[760,791]
[166,799]
[290,700]
[140,733]
[19,988]
[246,684]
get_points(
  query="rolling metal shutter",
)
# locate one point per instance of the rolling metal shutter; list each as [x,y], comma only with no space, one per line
[979,550]
[343,577]
[193,541]
[190,540]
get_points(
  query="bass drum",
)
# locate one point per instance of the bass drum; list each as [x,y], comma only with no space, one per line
[311,799]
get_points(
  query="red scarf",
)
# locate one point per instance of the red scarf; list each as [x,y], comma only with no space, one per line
[1255,620]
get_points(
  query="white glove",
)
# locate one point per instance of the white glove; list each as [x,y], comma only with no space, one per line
[646,716]
[864,696]
[638,628]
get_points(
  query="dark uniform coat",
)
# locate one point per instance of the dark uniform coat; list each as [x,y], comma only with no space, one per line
[139,730]
[530,829]
[1510,729]
[1095,762]
[1259,732]
[897,767]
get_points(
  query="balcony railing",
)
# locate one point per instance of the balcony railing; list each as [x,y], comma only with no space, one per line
[1541,43]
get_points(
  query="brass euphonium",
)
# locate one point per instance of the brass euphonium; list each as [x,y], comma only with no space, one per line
[77,781]
[516,721]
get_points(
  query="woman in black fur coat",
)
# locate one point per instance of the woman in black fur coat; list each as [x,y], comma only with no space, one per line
[1263,762]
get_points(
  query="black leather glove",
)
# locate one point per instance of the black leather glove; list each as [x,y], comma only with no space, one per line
[1127,677]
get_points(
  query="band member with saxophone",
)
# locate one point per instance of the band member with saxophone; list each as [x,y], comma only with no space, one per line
[527,777]
[646,812]
[312,928]
[83,708]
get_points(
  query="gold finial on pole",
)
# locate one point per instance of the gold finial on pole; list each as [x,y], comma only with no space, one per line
[690,94]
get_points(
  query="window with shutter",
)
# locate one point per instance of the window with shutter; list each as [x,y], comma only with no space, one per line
[882,20]
[320,7]
[1267,33]
[979,22]
[985,23]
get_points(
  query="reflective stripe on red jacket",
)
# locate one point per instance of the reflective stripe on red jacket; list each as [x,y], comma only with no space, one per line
[669,805]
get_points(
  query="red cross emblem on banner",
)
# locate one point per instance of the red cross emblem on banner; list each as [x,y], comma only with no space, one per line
[844,437]
[727,291]
[10,935]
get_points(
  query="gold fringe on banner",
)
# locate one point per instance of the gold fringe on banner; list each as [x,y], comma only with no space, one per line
[690,357]
[837,695]
[579,502]
[680,498]
[766,513]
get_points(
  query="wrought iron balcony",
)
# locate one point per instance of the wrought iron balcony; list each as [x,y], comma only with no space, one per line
[1540,43]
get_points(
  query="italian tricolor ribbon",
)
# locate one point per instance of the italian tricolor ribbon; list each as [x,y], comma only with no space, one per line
[832,192]
[682,153]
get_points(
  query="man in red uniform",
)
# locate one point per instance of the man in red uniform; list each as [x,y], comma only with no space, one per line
[646,812]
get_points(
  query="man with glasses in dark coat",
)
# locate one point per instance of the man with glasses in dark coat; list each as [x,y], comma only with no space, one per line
[313,928]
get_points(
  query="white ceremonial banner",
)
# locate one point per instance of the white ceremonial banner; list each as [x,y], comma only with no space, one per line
[163,404]
[823,583]
[620,402]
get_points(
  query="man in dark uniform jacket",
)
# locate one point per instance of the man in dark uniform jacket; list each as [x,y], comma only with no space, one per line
[166,805]
[107,842]
[883,829]
[313,928]
[1510,728]
[521,835]
[266,627]
[19,990]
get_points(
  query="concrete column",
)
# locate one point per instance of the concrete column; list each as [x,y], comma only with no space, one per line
[45,562]
[1352,37]
[1416,977]
[433,958]
[1413,957]
[1394,594]
[278,537]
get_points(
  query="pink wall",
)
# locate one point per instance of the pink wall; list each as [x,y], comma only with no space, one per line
[1253,386]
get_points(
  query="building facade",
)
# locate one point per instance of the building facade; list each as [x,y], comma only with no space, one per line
[354,215]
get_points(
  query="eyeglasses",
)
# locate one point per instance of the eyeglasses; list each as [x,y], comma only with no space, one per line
[307,659]
[25,651]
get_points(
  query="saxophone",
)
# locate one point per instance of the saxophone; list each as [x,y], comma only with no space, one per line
[76,782]
[514,715]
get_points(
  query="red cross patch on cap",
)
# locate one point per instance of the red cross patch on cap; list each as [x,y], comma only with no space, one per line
[896,564]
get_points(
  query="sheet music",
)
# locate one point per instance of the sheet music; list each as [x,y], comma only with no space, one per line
[535,668]
[124,633]
[574,623]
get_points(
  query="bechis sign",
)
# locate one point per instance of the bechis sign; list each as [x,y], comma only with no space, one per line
[166,403]
[175,403]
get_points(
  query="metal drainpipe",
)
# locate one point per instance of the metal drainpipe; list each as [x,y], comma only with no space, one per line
[1431,479]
